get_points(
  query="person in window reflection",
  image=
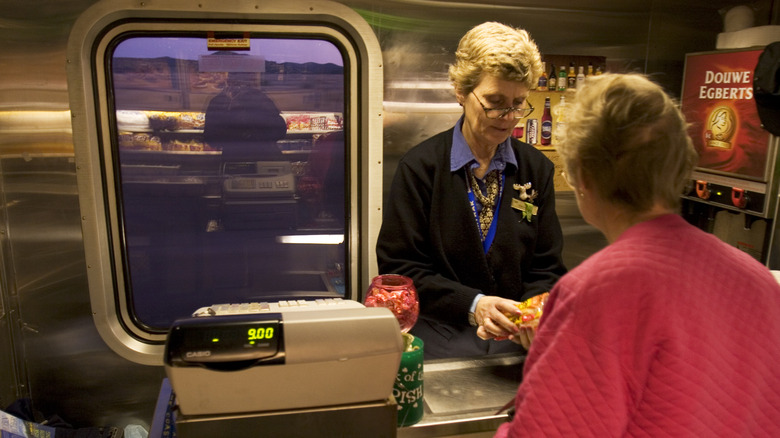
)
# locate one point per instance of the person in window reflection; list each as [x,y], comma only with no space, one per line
[244,122]
[668,331]
[471,211]
[321,188]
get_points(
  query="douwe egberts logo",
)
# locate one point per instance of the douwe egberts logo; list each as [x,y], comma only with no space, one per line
[721,126]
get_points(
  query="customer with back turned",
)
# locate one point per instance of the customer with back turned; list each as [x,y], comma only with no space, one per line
[667,331]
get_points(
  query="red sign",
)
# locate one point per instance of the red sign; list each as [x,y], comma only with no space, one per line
[717,100]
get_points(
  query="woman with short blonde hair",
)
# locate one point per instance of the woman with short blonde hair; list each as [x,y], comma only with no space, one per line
[471,212]
[498,50]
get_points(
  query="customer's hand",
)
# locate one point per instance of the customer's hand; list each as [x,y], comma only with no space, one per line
[524,336]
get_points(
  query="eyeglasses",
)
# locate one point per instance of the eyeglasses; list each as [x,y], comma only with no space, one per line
[498,113]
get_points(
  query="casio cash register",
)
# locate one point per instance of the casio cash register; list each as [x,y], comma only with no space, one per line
[284,367]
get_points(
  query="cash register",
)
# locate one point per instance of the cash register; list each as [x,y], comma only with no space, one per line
[287,368]
[258,194]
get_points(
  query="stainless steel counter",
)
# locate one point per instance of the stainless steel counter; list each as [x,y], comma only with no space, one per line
[462,396]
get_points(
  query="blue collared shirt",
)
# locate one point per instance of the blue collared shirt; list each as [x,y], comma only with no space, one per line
[461,156]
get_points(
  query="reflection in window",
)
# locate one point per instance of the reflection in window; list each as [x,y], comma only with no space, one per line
[231,171]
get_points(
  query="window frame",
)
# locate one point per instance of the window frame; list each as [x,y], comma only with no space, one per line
[96,165]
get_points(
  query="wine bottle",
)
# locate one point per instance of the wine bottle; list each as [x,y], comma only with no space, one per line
[562,79]
[551,80]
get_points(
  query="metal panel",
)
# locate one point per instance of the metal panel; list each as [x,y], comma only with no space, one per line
[68,369]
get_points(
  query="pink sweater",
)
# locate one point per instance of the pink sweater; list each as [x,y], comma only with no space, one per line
[666,332]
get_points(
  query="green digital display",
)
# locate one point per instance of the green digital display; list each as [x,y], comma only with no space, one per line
[248,335]
[260,334]
[228,340]
[253,335]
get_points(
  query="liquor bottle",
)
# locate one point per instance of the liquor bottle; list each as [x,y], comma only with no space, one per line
[562,79]
[580,77]
[547,126]
[543,78]
[560,122]
[590,69]
[571,78]
[598,70]
[551,80]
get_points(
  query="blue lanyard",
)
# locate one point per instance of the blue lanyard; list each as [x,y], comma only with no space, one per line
[491,234]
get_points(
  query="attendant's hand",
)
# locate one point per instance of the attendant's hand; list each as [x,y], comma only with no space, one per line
[491,317]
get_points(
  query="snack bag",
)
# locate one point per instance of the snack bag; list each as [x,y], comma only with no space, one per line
[531,311]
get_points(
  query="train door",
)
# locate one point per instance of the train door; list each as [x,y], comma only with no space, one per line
[225,153]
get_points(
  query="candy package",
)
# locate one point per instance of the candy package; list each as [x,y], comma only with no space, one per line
[530,311]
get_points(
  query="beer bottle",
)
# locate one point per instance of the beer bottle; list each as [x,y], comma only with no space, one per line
[543,78]
[546,123]
[571,78]
[562,79]
[551,79]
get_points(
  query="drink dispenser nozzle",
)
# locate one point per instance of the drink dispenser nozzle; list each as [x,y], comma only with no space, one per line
[702,189]
[739,197]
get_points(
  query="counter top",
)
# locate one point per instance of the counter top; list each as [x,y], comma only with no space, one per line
[463,396]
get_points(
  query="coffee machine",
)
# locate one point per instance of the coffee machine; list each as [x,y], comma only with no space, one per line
[733,192]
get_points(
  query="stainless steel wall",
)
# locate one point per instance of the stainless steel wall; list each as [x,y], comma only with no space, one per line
[49,348]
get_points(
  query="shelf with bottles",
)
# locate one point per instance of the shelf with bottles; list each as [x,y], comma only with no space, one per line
[548,93]
[547,149]
[533,124]
[555,117]
[565,72]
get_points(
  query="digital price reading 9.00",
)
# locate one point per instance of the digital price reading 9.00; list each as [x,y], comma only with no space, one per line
[260,334]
